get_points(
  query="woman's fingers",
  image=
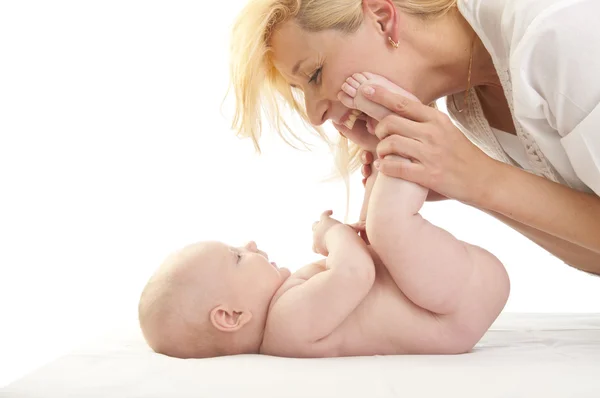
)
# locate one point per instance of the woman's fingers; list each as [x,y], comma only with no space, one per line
[366,170]
[397,103]
[394,125]
[400,146]
[409,171]
[359,135]
[366,157]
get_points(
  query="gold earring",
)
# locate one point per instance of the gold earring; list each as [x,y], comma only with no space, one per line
[392,42]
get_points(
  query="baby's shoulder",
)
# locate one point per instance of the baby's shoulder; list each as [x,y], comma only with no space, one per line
[298,278]
[288,294]
[309,270]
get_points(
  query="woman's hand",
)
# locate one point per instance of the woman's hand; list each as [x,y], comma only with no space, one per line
[367,159]
[442,158]
[359,135]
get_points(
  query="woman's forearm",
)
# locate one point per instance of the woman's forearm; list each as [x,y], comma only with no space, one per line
[543,205]
[572,254]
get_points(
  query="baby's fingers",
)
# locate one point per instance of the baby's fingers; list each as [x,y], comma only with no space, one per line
[358,226]
[327,213]
[314,225]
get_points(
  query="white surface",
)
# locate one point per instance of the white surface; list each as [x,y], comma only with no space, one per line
[114,151]
[524,355]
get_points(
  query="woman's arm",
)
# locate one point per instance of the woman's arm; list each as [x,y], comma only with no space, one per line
[563,221]
[447,162]
[572,254]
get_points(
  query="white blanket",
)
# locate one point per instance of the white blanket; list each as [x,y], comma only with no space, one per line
[523,355]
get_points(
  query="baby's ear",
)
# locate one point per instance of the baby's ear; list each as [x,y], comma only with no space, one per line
[227,319]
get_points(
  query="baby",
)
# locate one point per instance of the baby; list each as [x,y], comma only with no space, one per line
[414,289]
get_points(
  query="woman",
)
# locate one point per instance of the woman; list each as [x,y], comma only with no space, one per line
[519,80]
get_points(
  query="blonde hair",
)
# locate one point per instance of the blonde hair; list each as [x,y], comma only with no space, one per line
[259,87]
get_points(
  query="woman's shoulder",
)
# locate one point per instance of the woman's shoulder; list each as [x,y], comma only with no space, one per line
[504,24]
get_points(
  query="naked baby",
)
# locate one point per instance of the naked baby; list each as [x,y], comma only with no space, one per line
[414,289]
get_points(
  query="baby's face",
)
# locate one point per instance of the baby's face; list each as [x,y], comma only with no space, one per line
[249,271]
[244,274]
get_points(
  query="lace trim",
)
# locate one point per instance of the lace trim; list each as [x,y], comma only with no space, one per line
[540,165]
[475,126]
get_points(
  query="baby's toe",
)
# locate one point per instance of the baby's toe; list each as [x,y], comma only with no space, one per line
[365,105]
[346,100]
[360,77]
[348,89]
[351,81]
[370,75]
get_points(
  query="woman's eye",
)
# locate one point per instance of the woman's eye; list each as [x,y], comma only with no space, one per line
[315,75]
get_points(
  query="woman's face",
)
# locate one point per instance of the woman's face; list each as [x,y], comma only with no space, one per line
[318,63]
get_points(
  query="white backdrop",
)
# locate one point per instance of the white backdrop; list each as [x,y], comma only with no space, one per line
[114,152]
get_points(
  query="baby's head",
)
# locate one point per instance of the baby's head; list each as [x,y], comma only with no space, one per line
[209,299]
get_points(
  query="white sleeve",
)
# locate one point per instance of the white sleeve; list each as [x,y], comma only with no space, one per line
[557,69]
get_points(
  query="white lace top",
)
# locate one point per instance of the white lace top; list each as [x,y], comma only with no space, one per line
[547,56]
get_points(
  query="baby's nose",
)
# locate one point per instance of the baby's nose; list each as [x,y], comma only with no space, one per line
[251,246]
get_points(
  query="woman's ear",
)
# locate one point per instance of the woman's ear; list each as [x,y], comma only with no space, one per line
[384,14]
[227,319]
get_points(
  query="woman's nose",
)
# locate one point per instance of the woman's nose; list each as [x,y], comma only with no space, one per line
[317,110]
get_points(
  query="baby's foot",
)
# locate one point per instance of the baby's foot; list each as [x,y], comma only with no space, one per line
[354,99]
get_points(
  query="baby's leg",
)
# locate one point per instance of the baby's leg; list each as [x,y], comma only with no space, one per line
[413,195]
[428,264]
[466,284]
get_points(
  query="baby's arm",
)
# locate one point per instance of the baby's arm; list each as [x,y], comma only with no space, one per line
[430,266]
[315,308]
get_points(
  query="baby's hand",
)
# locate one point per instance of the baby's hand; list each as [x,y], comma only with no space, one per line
[361,229]
[320,228]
